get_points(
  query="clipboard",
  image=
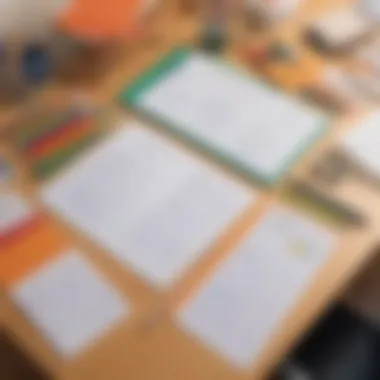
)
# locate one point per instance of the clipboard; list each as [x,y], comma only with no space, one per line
[181,61]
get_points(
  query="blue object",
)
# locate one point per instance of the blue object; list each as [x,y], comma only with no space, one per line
[36,64]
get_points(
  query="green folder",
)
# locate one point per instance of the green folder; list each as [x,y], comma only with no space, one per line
[133,94]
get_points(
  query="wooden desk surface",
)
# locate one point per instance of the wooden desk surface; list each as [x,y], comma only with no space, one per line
[149,346]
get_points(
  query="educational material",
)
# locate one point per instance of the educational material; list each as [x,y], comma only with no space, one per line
[339,29]
[226,113]
[24,251]
[49,145]
[69,302]
[245,300]
[361,145]
[155,208]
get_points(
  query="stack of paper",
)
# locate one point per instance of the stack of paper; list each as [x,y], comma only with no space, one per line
[245,301]
[152,206]
[245,123]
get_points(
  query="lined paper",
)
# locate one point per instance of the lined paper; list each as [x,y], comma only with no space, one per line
[153,207]
[250,123]
[245,300]
[69,302]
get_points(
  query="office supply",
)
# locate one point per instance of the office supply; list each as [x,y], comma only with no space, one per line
[69,302]
[246,299]
[49,145]
[42,126]
[137,185]
[361,145]
[324,204]
[225,113]
[339,30]
[86,20]
[23,254]
[215,29]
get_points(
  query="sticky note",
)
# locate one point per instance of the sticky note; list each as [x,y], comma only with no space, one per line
[241,305]
[69,302]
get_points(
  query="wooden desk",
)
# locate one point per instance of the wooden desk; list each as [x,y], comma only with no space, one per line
[149,346]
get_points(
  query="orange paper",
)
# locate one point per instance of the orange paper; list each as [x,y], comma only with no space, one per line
[20,231]
[26,255]
[101,20]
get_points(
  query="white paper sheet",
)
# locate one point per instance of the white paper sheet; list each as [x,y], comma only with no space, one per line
[154,207]
[69,302]
[262,129]
[14,210]
[246,298]
[362,144]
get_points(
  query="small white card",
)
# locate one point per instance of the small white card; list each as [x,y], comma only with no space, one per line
[14,210]
[362,144]
[154,207]
[245,300]
[69,302]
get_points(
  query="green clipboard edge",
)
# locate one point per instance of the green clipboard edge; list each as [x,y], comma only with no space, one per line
[131,95]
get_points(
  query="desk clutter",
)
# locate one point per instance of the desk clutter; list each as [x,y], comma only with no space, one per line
[49,144]
[138,181]
[185,196]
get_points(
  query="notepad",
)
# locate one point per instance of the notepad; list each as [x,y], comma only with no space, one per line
[69,302]
[245,300]
[242,122]
[361,145]
[152,206]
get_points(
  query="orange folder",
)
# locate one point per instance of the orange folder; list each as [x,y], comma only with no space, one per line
[23,257]
[100,20]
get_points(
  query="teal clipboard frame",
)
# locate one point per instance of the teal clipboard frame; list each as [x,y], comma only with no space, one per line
[131,95]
